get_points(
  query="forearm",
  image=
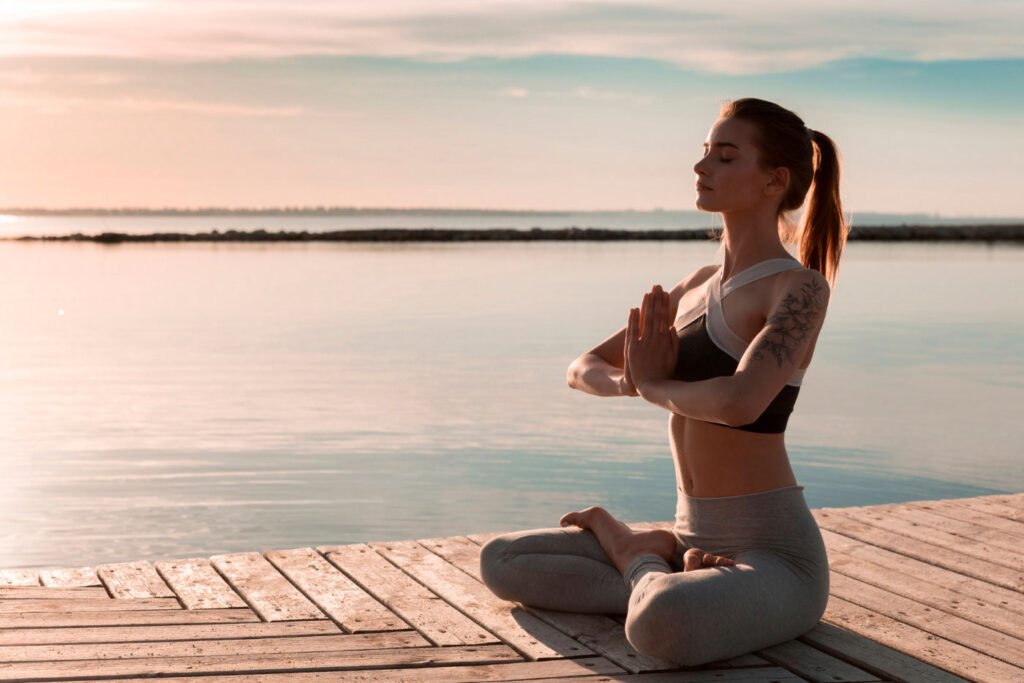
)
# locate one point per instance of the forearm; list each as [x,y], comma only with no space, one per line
[710,400]
[593,375]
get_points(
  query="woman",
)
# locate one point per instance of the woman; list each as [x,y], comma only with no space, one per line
[724,352]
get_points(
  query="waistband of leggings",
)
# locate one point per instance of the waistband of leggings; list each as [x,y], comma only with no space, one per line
[785,490]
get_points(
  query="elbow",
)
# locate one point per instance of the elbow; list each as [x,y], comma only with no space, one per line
[572,374]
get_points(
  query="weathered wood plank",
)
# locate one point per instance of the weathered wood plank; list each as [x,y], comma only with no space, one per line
[829,518]
[197,584]
[40,605]
[894,650]
[45,593]
[167,633]
[601,634]
[206,648]
[895,522]
[459,551]
[917,615]
[889,664]
[483,538]
[438,621]
[70,577]
[133,580]
[923,587]
[981,591]
[270,594]
[530,636]
[604,636]
[768,674]
[334,593]
[550,669]
[995,509]
[265,663]
[19,577]
[1008,527]
[920,517]
[815,665]
[130,618]
[1013,499]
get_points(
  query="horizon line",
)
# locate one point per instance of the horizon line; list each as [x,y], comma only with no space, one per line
[343,209]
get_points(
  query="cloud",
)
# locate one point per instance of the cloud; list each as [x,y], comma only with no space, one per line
[743,37]
[55,105]
[517,93]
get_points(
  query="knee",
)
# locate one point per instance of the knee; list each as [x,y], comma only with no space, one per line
[658,624]
[494,565]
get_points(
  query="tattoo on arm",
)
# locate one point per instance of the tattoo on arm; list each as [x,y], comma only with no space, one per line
[790,324]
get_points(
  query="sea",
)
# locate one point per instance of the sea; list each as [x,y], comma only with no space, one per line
[175,400]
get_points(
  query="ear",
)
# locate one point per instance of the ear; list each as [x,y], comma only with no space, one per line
[778,182]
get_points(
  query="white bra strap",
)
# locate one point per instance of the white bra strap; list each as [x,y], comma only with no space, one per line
[719,331]
[756,272]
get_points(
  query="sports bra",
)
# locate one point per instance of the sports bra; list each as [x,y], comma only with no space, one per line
[708,348]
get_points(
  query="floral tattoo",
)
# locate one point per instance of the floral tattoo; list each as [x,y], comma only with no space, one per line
[791,324]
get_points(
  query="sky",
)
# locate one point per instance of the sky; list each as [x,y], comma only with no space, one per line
[551,105]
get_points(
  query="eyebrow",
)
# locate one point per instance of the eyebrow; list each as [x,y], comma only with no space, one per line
[723,144]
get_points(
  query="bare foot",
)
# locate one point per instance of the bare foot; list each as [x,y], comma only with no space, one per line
[623,545]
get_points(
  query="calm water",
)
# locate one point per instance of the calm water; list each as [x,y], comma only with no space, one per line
[163,401]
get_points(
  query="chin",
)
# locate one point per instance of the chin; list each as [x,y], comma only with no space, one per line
[704,205]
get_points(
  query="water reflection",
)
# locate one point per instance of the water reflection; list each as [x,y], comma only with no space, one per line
[197,399]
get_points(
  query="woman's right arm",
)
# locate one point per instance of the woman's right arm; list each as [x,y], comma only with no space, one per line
[601,371]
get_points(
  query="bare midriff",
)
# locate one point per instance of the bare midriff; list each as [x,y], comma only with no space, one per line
[713,460]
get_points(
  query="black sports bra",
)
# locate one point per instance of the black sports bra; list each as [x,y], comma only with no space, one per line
[708,348]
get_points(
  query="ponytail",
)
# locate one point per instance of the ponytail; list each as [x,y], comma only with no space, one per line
[813,161]
[823,230]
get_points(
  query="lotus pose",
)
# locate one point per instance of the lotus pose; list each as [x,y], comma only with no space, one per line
[724,352]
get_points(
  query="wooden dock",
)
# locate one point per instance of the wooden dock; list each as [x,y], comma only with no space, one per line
[920,591]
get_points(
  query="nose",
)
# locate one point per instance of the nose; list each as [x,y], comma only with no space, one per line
[698,167]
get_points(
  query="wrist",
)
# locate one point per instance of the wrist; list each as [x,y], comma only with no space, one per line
[644,387]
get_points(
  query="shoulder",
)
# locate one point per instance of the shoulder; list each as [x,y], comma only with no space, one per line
[695,279]
[802,290]
[691,281]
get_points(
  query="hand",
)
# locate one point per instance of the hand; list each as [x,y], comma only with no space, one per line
[652,345]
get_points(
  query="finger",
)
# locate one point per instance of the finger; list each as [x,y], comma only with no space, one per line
[647,317]
[659,314]
[645,305]
[625,344]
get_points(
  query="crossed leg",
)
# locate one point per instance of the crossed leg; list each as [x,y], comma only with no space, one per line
[690,617]
[560,569]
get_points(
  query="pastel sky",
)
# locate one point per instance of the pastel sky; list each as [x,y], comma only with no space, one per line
[497,104]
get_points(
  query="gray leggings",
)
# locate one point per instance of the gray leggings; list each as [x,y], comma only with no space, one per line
[776,591]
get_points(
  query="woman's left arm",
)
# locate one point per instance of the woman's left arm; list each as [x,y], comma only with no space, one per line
[769,361]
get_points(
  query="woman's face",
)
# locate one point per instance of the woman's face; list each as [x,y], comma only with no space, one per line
[729,178]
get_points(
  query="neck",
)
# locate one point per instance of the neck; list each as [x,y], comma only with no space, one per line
[748,238]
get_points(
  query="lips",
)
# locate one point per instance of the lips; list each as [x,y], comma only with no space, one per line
[701,186]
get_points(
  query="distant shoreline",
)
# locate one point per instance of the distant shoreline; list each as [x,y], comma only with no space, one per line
[894,233]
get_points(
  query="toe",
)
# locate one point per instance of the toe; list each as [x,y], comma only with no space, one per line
[693,559]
